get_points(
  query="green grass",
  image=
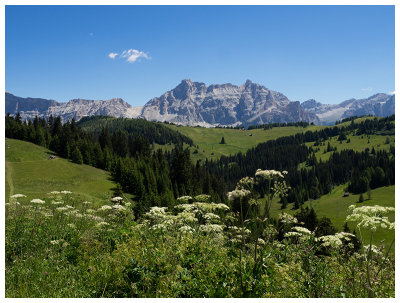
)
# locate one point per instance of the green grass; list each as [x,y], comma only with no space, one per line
[29,172]
[208,139]
[334,206]
[357,143]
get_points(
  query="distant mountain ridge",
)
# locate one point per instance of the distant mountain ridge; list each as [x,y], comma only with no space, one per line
[195,103]
[76,108]
[376,105]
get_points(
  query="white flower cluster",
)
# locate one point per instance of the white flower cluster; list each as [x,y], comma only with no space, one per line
[57,202]
[102,224]
[184,199]
[187,217]
[66,192]
[59,241]
[371,217]
[245,183]
[119,207]
[54,192]
[202,198]
[17,196]
[299,232]
[61,209]
[210,217]
[211,228]
[287,219]
[270,174]
[37,201]
[186,229]
[116,199]
[238,194]
[374,249]
[105,207]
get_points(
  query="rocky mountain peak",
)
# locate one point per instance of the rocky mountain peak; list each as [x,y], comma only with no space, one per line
[193,103]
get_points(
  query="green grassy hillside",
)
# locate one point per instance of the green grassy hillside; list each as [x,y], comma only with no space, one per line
[357,143]
[237,140]
[29,172]
[334,206]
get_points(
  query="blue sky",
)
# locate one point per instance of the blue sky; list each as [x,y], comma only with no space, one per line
[329,53]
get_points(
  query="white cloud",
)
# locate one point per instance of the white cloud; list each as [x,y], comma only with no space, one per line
[367,89]
[132,55]
[112,55]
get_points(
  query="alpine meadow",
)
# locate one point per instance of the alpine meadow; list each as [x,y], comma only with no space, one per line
[150,186]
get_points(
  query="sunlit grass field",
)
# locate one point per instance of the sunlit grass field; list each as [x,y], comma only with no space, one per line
[29,171]
[236,140]
[334,206]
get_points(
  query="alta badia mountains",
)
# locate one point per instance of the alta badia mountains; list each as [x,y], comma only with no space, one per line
[194,103]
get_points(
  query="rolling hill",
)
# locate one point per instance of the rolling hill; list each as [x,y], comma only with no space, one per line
[30,172]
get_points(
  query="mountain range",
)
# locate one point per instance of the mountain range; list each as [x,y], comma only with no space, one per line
[195,103]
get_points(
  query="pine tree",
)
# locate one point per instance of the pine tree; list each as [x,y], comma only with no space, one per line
[77,156]
[222,141]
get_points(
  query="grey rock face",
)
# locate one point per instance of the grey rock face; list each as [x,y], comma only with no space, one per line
[376,105]
[77,108]
[193,103]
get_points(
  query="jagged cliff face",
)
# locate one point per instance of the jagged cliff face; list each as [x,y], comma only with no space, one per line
[376,105]
[77,108]
[194,103]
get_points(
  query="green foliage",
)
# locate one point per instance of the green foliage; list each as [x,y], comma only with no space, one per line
[62,247]
[76,156]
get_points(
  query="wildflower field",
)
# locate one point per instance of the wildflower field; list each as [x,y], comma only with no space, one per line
[58,245]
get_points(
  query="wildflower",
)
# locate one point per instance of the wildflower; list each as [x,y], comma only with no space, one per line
[37,201]
[87,202]
[90,211]
[46,273]
[116,199]
[105,207]
[101,224]
[301,230]
[90,268]
[187,217]
[370,217]
[54,192]
[211,228]
[119,207]
[61,209]
[202,198]
[238,194]
[261,241]
[57,202]
[66,192]
[220,206]
[71,225]
[17,196]
[186,229]
[268,174]
[287,219]
[127,204]
[55,242]
[69,206]
[330,240]
[186,207]
[184,198]
[374,249]
[210,217]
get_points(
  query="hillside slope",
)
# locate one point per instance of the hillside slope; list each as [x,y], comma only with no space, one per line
[30,172]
